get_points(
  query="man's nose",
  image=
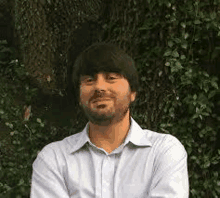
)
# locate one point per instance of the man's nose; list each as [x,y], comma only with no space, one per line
[101,83]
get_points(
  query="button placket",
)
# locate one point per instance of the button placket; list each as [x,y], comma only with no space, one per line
[107,176]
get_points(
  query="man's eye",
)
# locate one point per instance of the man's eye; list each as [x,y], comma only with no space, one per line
[89,80]
[112,76]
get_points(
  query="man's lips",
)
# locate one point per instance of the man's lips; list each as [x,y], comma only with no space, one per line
[100,100]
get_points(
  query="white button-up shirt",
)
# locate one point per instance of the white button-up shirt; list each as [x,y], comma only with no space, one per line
[147,165]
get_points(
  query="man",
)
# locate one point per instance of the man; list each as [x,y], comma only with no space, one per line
[113,156]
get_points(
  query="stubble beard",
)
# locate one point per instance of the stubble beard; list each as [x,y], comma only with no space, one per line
[106,118]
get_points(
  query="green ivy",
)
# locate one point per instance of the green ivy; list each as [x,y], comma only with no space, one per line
[169,41]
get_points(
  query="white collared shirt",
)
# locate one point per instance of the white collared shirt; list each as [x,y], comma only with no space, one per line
[147,165]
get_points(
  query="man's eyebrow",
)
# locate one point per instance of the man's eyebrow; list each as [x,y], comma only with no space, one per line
[115,73]
[86,75]
[83,77]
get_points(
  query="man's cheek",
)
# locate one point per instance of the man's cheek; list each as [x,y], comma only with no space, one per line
[84,102]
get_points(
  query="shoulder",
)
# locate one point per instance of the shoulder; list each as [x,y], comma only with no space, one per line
[161,138]
[59,148]
[164,142]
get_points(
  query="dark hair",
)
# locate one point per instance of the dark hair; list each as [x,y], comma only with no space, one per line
[104,57]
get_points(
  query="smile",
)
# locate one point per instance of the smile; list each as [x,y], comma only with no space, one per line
[100,100]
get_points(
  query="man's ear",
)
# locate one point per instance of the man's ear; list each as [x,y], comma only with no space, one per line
[133,96]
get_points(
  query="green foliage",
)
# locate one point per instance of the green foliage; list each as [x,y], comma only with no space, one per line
[169,41]
[23,129]
[15,157]
[22,135]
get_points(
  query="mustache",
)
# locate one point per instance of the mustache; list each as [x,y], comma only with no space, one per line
[100,94]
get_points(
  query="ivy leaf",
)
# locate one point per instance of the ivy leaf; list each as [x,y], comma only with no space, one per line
[183,25]
[39,120]
[168,53]
[178,65]
[177,40]
[206,74]
[183,57]
[214,84]
[167,64]
[195,97]
[170,43]
[143,78]
[211,94]
[184,45]
[207,164]
[197,22]
[213,15]
[175,54]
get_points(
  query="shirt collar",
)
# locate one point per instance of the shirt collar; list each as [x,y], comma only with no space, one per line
[136,135]
[78,140]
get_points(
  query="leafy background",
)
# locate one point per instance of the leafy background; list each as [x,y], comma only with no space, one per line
[175,45]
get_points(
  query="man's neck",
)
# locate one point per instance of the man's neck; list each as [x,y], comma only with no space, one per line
[112,136]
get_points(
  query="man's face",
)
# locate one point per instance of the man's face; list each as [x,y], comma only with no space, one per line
[105,97]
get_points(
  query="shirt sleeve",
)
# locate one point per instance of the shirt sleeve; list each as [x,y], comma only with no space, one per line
[170,179]
[47,180]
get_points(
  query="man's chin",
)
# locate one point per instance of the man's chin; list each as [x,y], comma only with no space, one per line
[102,120]
[99,117]
[104,117]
